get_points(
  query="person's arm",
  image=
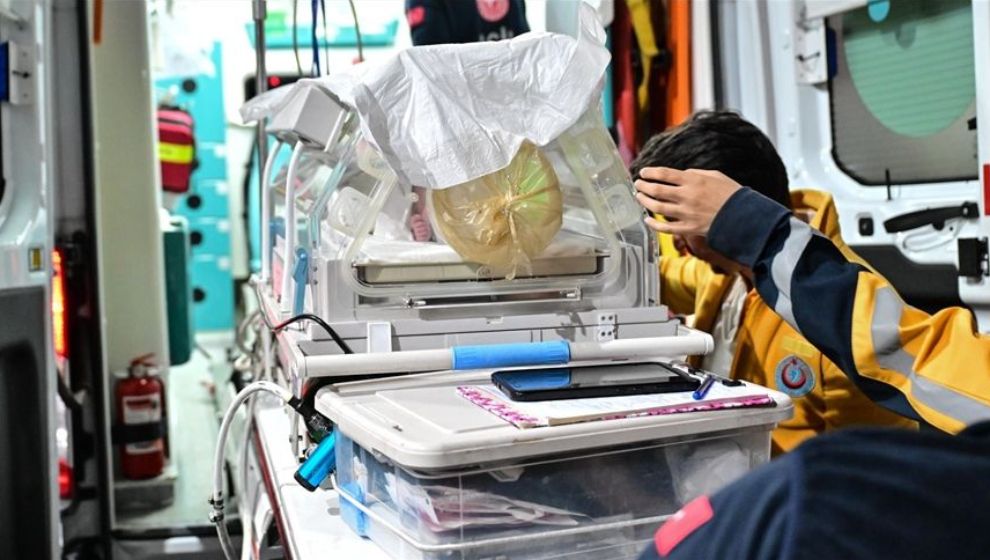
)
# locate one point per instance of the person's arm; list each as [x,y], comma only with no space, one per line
[930,367]
[845,405]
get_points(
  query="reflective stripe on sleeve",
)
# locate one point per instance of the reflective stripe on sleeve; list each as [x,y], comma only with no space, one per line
[783,265]
[891,356]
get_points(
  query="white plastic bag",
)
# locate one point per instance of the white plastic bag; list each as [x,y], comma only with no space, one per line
[444,115]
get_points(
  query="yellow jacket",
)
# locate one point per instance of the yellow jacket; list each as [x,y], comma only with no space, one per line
[771,353]
[930,368]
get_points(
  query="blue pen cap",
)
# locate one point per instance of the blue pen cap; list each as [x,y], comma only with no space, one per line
[706,385]
[317,467]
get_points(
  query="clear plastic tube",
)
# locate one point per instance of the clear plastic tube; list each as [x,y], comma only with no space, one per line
[288,256]
[219,457]
[266,212]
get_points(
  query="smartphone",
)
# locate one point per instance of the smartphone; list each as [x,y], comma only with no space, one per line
[582,382]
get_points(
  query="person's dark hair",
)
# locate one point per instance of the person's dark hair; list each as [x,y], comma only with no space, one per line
[720,141]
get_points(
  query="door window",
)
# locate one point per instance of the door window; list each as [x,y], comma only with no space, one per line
[903,92]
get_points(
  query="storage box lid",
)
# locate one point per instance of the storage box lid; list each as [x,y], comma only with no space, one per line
[421,422]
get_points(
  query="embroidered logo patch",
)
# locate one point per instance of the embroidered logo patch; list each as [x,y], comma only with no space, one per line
[794,377]
[680,525]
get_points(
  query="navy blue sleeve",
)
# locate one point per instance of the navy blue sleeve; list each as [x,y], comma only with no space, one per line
[744,226]
[429,22]
[751,519]
[858,493]
[803,276]
[873,493]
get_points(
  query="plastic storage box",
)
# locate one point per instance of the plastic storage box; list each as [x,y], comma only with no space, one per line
[426,474]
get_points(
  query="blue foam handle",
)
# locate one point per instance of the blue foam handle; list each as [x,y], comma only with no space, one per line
[509,355]
[316,468]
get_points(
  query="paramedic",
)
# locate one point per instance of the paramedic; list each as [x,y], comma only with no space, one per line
[751,341]
[861,493]
[435,22]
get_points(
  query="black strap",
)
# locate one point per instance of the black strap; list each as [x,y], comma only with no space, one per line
[137,433]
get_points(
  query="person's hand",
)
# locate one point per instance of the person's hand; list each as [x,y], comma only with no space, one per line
[420,227]
[688,199]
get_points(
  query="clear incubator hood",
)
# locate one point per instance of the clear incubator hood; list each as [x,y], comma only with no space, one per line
[559,217]
[558,224]
[458,181]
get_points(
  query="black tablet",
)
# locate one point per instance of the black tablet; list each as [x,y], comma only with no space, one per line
[608,380]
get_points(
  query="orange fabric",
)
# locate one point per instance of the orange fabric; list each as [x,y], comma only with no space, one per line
[677,82]
[624,87]
[679,77]
[97,22]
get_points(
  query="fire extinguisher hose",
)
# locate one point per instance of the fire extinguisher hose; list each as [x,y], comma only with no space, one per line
[219,458]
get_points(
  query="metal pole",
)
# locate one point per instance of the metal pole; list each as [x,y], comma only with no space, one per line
[261,84]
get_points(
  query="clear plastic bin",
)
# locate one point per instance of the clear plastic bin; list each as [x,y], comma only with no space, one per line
[601,504]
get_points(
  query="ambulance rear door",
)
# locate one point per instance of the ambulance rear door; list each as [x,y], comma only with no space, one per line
[887,106]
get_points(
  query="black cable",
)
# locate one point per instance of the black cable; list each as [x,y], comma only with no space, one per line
[317,425]
[315,70]
[68,399]
[323,324]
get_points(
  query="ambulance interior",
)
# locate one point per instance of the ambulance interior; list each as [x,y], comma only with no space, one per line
[222,205]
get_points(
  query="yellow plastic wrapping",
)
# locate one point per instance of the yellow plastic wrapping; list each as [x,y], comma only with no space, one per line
[506,218]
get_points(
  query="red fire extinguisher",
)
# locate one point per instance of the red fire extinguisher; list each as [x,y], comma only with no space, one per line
[141,401]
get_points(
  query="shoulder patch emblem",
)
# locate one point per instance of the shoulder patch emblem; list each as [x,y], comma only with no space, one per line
[794,377]
[682,524]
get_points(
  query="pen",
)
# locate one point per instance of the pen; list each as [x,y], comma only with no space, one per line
[706,385]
